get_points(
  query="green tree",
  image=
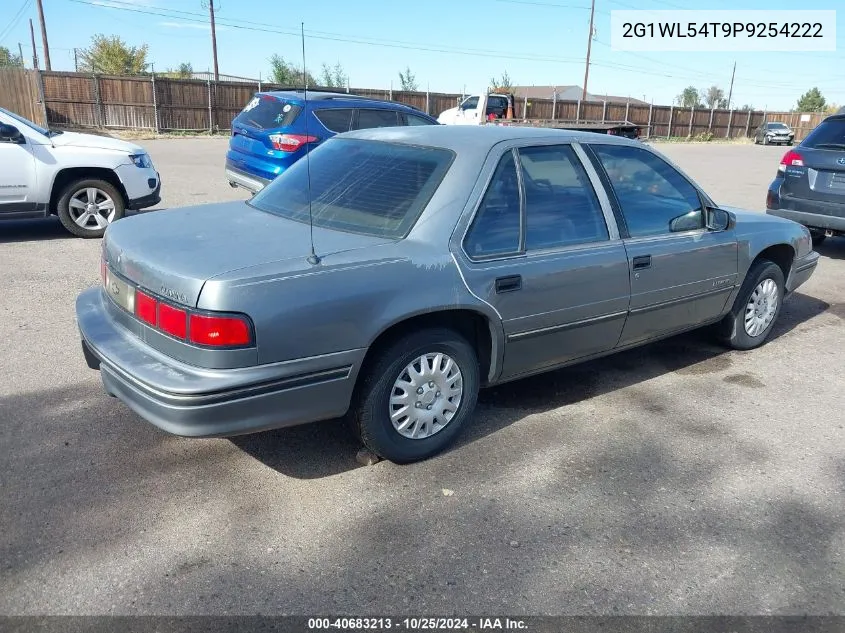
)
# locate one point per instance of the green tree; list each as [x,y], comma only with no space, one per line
[185,70]
[812,101]
[408,80]
[112,56]
[333,77]
[7,58]
[503,84]
[689,98]
[287,74]
[714,97]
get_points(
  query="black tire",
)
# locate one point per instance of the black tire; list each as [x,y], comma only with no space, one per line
[765,140]
[65,214]
[371,411]
[731,329]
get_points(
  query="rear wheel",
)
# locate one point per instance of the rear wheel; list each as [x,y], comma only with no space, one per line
[417,396]
[756,309]
[86,207]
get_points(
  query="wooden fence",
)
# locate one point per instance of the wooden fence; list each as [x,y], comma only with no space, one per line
[78,100]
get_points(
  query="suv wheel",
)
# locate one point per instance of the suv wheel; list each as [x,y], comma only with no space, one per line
[418,395]
[86,207]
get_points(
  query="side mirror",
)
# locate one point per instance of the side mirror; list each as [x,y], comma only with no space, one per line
[717,219]
[11,134]
[688,222]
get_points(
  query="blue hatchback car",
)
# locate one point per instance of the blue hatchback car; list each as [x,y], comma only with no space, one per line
[270,134]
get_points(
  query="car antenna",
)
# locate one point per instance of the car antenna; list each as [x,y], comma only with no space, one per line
[313,259]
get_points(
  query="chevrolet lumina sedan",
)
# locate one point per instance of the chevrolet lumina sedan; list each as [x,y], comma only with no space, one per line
[414,267]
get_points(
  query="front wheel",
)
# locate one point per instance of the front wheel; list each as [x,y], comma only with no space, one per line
[87,207]
[756,309]
[417,396]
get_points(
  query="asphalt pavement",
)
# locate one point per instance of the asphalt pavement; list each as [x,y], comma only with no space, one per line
[679,478]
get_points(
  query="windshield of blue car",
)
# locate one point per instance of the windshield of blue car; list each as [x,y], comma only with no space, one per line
[268,112]
[360,186]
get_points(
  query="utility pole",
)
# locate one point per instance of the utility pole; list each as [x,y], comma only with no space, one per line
[589,47]
[34,50]
[75,61]
[44,36]
[731,90]
[20,51]
[213,37]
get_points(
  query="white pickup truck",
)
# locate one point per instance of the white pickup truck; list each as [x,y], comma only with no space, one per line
[89,181]
[498,109]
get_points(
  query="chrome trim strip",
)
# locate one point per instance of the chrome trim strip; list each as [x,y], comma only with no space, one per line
[566,326]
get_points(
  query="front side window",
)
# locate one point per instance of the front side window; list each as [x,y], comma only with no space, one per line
[561,206]
[496,226]
[470,104]
[655,198]
[377,118]
[360,186]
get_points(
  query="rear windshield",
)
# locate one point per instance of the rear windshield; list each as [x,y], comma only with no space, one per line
[828,134]
[361,186]
[267,112]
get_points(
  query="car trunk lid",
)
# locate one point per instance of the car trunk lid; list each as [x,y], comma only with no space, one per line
[173,253]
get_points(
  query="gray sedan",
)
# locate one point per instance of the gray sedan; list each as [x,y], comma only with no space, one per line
[397,271]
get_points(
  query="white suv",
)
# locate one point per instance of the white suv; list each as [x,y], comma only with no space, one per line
[89,181]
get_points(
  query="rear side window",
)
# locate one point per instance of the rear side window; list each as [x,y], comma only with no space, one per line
[561,206]
[377,118]
[267,112]
[496,227]
[337,120]
[413,119]
[360,186]
[828,134]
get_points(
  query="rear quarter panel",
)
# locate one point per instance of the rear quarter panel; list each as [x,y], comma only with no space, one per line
[346,301]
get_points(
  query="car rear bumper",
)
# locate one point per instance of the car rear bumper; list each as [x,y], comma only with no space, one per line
[820,215]
[195,402]
[243,179]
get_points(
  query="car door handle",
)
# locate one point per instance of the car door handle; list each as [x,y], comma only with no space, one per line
[508,284]
[642,261]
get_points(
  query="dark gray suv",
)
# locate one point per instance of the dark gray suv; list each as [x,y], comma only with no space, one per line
[809,186]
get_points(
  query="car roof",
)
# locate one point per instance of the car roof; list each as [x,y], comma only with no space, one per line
[462,138]
[326,97]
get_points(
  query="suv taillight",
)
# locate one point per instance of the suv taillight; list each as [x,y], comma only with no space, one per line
[291,142]
[791,159]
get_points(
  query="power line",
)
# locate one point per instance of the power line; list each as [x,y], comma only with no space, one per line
[15,20]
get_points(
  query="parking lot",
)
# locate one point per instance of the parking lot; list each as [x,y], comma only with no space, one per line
[675,479]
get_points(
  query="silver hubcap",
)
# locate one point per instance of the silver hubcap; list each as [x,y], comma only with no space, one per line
[426,396]
[761,307]
[91,208]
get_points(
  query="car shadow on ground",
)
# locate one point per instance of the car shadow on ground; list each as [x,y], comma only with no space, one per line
[324,449]
[33,230]
[832,247]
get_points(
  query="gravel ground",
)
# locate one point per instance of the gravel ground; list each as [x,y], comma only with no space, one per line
[673,479]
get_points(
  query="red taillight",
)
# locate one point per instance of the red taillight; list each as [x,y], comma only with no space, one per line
[791,159]
[219,331]
[145,307]
[172,320]
[290,142]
